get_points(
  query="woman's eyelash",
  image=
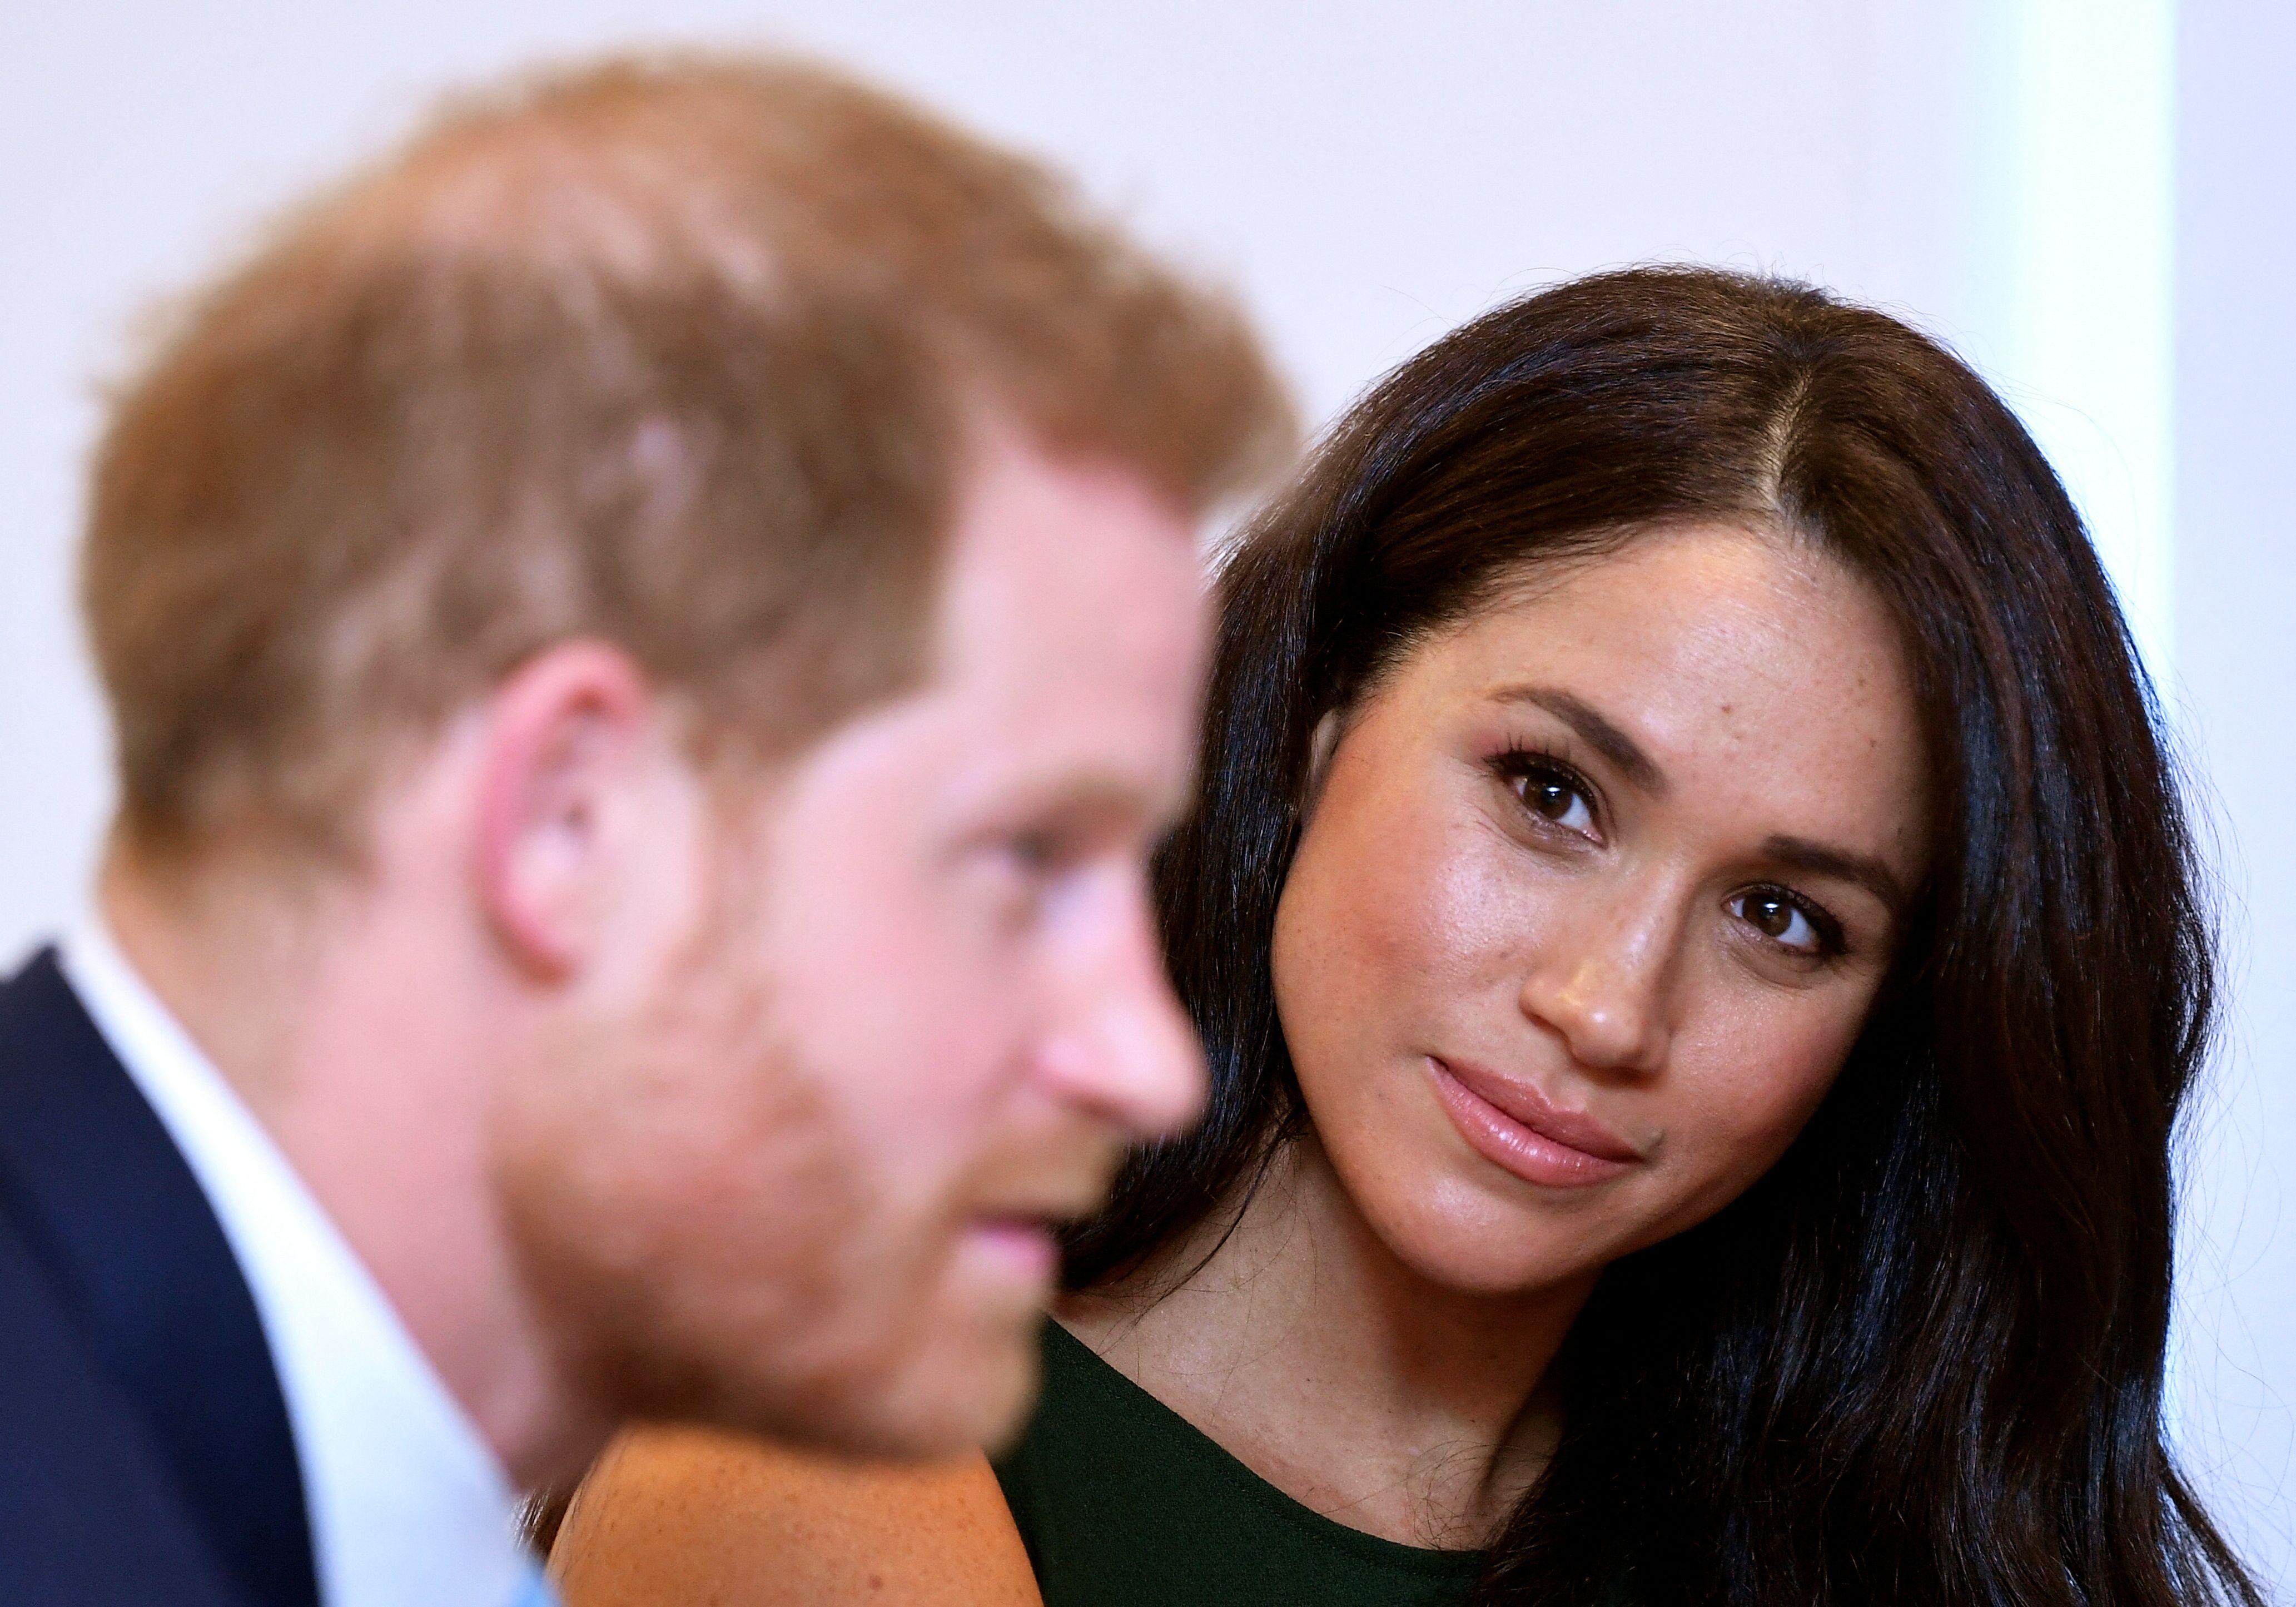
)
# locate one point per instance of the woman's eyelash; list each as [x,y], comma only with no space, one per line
[1832,941]
[1829,930]
[1517,763]
[1517,760]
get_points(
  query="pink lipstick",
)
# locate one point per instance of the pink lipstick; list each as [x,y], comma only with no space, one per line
[1513,1125]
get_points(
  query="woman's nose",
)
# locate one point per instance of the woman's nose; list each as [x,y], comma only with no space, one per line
[1600,982]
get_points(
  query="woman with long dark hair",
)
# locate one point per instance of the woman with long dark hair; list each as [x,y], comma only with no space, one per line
[1700,954]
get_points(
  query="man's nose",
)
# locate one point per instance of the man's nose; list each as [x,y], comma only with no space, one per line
[1126,1050]
[1600,981]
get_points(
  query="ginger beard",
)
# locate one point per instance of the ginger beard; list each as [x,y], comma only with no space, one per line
[712,1235]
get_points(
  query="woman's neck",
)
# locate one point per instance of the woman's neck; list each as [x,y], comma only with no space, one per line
[1308,1352]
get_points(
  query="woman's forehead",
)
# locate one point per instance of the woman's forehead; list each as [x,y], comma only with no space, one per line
[1740,664]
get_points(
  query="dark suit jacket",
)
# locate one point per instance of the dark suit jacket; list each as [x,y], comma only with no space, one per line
[146,1454]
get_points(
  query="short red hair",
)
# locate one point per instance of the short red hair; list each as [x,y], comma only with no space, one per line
[673,352]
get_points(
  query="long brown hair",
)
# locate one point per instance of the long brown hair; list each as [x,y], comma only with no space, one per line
[1921,1360]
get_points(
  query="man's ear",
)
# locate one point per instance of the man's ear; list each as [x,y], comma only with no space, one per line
[569,738]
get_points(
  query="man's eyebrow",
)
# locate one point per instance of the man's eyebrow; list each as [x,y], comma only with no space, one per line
[1596,732]
[1821,860]
[1090,799]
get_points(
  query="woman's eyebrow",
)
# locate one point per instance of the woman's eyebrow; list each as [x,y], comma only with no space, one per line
[1818,859]
[1596,732]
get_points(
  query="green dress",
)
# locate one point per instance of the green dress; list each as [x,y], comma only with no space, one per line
[1119,1501]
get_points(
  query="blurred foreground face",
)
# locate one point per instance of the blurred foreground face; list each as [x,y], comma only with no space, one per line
[1597,896]
[799,1171]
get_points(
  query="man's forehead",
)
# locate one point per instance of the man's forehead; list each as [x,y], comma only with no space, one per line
[1092,755]
[1068,663]
[1061,548]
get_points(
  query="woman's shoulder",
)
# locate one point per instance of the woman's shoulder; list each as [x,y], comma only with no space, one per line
[681,1514]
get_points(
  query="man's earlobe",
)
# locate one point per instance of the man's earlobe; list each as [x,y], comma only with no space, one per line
[564,740]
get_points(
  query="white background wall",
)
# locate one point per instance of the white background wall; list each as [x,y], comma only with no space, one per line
[1368,173]
[2235,681]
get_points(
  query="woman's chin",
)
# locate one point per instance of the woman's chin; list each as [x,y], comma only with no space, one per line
[1477,1247]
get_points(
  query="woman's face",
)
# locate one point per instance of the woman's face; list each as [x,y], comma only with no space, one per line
[1594,897]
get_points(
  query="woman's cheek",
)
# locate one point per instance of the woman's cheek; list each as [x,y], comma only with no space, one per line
[1400,907]
[1748,1109]
[1475,909]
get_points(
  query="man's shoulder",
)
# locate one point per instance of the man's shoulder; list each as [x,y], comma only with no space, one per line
[39,1015]
[143,1431]
[88,1513]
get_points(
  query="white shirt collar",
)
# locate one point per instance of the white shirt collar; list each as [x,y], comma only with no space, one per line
[407,1503]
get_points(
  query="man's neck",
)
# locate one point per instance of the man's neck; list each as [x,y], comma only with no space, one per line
[1307,1350]
[358,1043]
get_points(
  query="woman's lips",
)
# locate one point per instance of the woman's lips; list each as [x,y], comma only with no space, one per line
[1512,1124]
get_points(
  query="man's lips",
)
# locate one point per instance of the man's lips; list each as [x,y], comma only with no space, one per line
[1021,1194]
[1021,1231]
[1023,1248]
[1513,1125]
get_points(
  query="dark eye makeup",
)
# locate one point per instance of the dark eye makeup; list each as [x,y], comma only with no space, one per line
[1550,788]
[1773,912]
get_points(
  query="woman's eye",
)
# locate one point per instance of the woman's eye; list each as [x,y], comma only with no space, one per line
[1557,799]
[1779,919]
